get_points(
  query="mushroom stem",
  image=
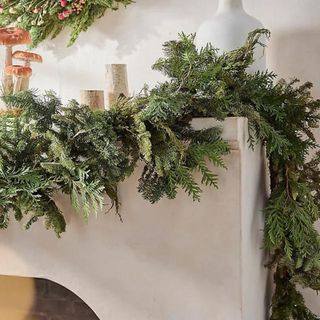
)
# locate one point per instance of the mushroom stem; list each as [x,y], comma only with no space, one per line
[25,81]
[25,84]
[17,85]
[7,79]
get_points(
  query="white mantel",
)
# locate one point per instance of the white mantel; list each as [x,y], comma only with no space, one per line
[176,260]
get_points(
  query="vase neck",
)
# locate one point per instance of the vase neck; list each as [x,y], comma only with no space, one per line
[228,5]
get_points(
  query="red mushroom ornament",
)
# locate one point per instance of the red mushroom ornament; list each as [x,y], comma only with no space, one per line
[10,37]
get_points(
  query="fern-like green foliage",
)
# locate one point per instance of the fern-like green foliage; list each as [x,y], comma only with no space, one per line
[282,115]
[46,147]
[47,18]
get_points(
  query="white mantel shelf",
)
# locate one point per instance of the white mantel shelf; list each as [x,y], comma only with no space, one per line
[176,260]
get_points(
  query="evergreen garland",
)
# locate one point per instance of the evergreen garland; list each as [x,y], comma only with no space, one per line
[47,18]
[46,147]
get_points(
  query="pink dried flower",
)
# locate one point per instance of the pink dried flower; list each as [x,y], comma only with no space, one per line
[63,3]
[67,13]
[61,16]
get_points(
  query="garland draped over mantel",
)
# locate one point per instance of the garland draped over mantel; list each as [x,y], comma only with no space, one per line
[47,18]
[46,147]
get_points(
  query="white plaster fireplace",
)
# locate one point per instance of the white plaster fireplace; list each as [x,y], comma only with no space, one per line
[176,260]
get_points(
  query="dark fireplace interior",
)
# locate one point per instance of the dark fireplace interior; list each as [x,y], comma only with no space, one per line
[40,299]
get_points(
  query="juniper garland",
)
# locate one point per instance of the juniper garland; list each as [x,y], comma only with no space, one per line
[47,148]
[47,18]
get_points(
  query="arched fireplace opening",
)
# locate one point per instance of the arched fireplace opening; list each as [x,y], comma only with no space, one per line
[40,299]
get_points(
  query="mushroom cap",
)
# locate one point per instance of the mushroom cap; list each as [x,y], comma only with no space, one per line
[12,36]
[18,71]
[27,56]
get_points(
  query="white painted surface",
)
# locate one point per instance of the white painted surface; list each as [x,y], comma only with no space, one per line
[134,36]
[228,29]
[176,260]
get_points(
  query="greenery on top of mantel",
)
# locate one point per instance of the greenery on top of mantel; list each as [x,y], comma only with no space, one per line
[47,18]
[47,148]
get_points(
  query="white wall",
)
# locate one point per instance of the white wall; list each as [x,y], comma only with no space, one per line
[134,36]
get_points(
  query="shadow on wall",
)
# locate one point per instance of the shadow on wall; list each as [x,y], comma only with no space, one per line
[297,55]
[128,27]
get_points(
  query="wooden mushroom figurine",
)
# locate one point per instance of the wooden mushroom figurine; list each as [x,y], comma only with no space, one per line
[10,37]
[27,57]
[20,73]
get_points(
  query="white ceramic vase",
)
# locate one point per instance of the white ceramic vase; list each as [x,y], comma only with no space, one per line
[229,28]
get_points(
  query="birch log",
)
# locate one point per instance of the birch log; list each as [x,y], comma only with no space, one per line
[92,98]
[116,83]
